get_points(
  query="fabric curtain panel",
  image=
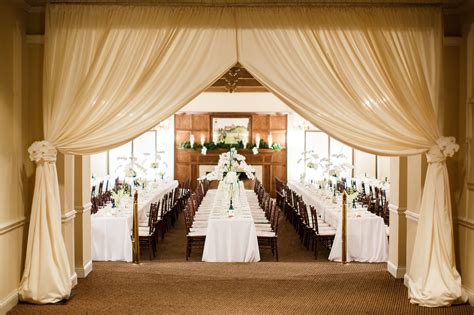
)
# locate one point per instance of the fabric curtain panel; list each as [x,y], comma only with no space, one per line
[369,77]
[110,74]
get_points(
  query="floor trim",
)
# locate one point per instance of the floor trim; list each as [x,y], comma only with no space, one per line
[74,279]
[83,272]
[9,302]
[395,271]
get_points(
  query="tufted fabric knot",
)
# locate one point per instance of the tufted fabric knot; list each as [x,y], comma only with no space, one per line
[42,151]
[444,147]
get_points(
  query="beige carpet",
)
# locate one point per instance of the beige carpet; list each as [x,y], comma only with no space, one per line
[297,284]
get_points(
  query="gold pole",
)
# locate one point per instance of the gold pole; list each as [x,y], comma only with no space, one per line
[344,227]
[135,236]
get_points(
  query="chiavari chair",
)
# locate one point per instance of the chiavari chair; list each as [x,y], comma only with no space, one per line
[147,235]
[270,238]
[323,234]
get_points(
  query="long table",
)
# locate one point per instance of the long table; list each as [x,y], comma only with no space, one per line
[229,239]
[111,228]
[366,232]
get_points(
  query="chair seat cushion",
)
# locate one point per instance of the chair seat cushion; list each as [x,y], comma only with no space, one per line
[197,233]
[265,234]
[329,232]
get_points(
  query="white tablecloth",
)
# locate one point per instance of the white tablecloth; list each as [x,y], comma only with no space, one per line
[366,234]
[111,228]
[229,239]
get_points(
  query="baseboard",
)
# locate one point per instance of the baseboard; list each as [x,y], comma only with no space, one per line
[396,272]
[83,272]
[9,302]
[74,280]
[470,295]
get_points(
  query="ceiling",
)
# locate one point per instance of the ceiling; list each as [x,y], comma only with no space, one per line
[444,3]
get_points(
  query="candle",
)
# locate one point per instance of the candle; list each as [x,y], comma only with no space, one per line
[191,140]
[202,139]
[214,138]
[257,140]
[245,140]
[270,140]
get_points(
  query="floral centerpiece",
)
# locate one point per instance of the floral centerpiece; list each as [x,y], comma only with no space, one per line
[116,196]
[230,162]
[229,169]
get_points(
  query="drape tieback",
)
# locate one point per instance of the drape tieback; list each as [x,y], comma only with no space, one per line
[444,147]
[42,151]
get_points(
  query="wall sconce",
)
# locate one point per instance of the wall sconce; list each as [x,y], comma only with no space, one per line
[257,140]
[203,139]
[191,140]
[270,140]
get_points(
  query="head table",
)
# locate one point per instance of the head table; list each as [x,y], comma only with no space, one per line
[111,227]
[230,239]
[366,232]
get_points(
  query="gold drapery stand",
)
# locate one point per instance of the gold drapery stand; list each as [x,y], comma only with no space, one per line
[344,227]
[135,236]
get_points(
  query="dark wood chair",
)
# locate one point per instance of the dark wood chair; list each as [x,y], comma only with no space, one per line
[269,239]
[324,235]
[193,238]
[147,234]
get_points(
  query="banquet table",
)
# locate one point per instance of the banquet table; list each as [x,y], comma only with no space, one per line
[229,239]
[366,232]
[111,227]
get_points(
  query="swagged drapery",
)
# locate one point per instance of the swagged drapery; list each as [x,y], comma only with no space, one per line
[369,77]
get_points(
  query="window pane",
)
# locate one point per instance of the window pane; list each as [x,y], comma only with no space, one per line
[144,150]
[383,165]
[119,158]
[364,164]
[340,148]
[318,142]
[99,165]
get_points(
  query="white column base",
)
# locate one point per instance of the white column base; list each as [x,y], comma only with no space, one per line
[83,272]
[74,280]
[396,271]
[9,302]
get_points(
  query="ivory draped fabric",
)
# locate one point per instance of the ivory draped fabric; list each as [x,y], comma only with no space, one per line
[110,74]
[367,76]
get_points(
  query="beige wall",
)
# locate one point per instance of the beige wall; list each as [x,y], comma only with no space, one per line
[20,121]
[464,161]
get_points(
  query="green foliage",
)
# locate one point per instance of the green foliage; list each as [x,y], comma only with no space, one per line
[227,146]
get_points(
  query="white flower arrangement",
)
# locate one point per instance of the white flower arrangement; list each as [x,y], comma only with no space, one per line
[130,172]
[331,167]
[117,196]
[230,162]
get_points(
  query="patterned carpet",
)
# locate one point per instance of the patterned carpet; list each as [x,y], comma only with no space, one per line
[297,284]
